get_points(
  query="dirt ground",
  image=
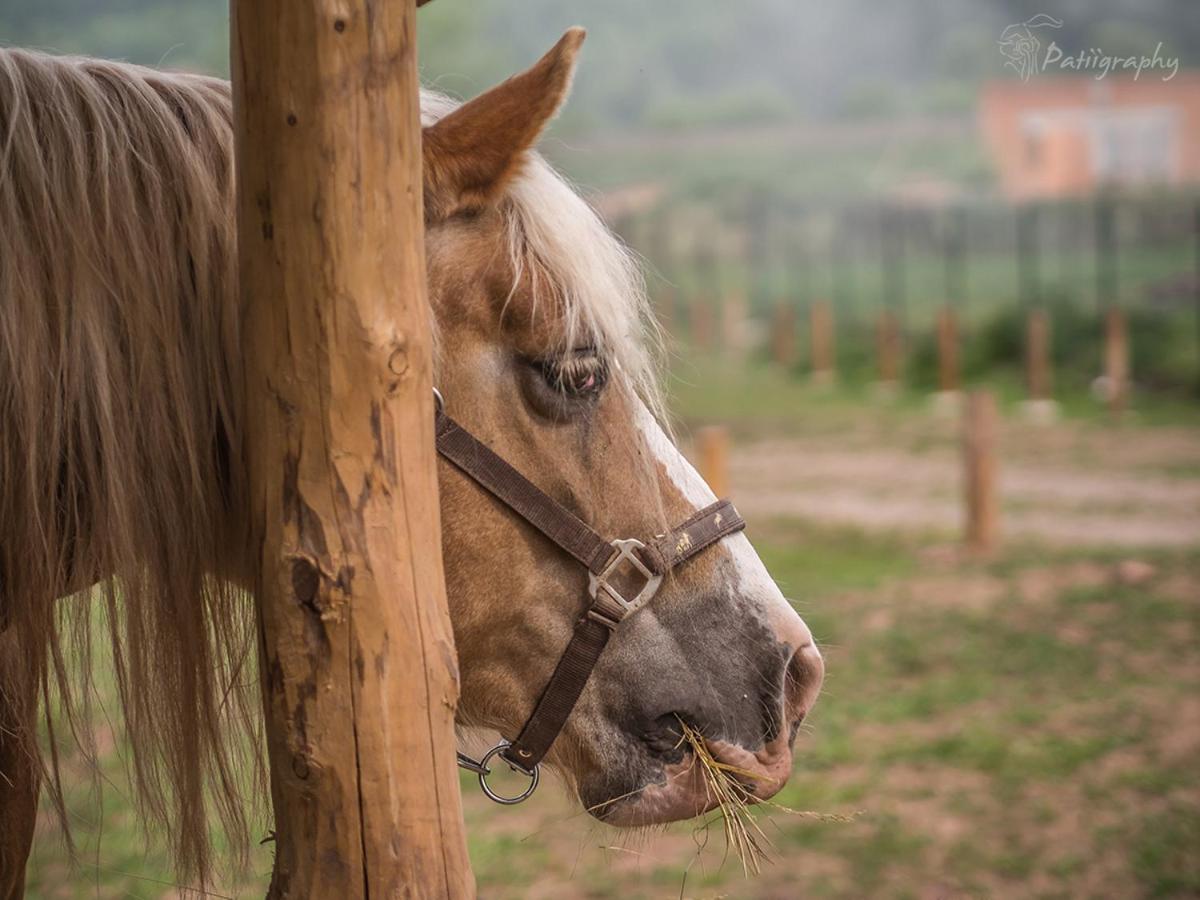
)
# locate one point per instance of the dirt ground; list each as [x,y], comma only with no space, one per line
[1065,484]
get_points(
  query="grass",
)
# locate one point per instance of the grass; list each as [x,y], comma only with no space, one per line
[756,398]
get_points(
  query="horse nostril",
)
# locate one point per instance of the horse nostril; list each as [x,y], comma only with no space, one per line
[664,736]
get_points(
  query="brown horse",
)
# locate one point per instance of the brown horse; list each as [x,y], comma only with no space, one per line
[121,462]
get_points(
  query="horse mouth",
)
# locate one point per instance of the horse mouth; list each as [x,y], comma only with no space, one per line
[683,786]
[686,789]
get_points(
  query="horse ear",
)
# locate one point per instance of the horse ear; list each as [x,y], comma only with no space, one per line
[472,153]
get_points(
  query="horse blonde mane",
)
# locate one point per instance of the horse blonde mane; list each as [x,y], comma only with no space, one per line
[119,424]
[120,417]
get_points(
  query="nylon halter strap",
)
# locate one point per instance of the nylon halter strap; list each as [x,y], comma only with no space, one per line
[623,576]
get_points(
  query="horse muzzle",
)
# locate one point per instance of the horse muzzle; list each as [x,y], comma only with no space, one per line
[683,787]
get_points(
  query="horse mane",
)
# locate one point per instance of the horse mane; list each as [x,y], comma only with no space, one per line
[120,418]
[119,424]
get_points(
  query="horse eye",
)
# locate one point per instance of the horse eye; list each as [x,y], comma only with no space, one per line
[582,374]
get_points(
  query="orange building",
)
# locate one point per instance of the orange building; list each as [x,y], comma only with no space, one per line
[1062,137]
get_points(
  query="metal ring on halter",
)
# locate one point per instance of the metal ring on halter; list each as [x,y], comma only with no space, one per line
[439,404]
[534,777]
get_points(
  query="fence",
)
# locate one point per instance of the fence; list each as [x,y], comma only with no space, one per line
[901,289]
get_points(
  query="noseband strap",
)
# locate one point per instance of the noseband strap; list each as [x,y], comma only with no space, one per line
[623,576]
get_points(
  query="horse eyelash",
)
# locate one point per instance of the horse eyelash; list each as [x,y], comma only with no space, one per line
[582,362]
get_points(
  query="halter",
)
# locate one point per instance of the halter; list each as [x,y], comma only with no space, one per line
[623,576]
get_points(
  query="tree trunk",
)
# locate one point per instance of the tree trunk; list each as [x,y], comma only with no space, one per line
[357,655]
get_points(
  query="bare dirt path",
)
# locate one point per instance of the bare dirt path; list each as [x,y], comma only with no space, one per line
[1067,484]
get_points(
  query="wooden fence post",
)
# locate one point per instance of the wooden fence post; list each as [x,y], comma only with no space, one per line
[1039,373]
[1116,359]
[358,666]
[783,335]
[823,336]
[712,446]
[979,461]
[947,344]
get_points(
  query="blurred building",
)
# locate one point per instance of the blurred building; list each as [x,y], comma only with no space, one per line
[1062,137]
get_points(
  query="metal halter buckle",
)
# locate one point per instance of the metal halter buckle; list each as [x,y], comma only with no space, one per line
[625,553]
[480,768]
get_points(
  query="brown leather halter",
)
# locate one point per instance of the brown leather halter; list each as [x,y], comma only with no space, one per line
[623,576]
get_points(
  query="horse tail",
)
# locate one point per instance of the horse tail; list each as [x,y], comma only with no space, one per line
[120,435]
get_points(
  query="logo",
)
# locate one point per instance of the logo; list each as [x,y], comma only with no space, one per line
[1020,46]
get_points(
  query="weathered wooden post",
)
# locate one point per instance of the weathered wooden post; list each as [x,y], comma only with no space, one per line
[712,446]
[979,475]
[1116,359]
[357,655]
[823,336]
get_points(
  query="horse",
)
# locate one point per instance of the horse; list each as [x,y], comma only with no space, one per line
[122,461]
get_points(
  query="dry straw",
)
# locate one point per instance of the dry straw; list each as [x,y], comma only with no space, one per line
[729,786]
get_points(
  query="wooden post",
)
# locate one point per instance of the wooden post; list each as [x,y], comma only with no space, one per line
[947,344]
[702,323]
[979,458]
[783,335]
[712,446]
[823,336]
[1039,373]
[357,655]
[888,341]
[1116,359]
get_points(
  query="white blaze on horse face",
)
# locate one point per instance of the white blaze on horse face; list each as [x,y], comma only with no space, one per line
[754,583]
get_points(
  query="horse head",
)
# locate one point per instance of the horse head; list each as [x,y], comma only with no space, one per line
[544,351]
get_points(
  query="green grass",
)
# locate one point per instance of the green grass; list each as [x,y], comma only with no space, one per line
[1164,852]
[756,398]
